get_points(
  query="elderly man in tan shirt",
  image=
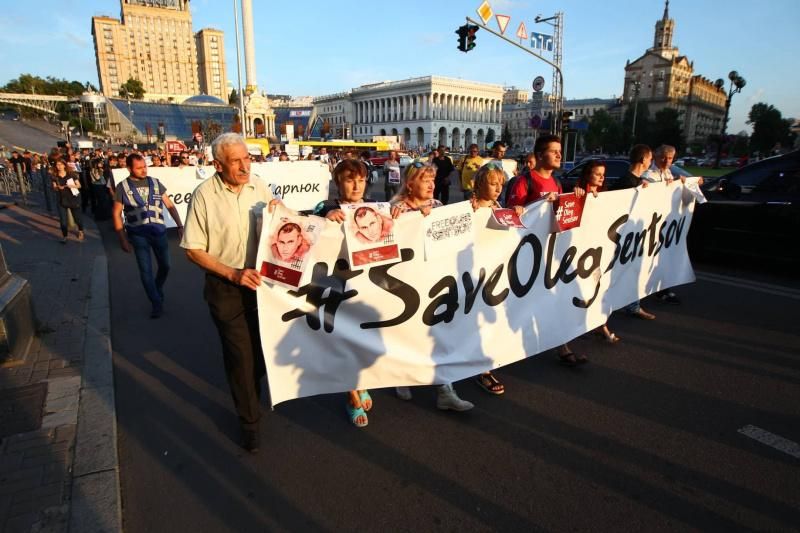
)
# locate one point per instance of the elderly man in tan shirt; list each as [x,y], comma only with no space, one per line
[221,237]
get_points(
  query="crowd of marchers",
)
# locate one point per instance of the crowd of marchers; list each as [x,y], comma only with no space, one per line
[217,223]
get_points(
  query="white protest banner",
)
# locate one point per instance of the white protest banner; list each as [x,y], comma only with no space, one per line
[510,294]
[300,184]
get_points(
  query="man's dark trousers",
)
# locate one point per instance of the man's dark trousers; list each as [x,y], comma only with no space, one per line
[234,310]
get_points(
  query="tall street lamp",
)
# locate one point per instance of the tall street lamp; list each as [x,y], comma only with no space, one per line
[636,86]
[737,83]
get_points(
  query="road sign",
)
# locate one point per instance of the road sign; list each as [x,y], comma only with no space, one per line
[538,83]
[536,121]
[542,41]
[522,32]
[502,22]
[485,11]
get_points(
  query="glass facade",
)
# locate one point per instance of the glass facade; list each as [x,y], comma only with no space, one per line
[176,118]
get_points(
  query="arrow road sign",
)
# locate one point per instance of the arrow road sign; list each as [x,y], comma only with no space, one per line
[538,83]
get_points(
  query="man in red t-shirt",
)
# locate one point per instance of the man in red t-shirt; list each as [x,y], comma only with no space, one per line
[542,183]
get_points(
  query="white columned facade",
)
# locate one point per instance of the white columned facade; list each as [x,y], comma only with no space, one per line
[425,111]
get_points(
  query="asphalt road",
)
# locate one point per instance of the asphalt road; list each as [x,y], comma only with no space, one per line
[19,133]
[647,437]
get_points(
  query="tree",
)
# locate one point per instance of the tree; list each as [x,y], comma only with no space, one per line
[604,134]
[505,136]
[30,84]
[770,129]
[233,98]
[211,130]
[132,89]
[641,132]
[666,129]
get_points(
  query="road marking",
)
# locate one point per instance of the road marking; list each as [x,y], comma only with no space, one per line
[770,439]
[757,286]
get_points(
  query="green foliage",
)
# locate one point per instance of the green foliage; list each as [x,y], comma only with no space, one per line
[770,130]
[641,133]
[132,89]
[604,134]
[506,136]
[30,84]
[233,98]
[666,129]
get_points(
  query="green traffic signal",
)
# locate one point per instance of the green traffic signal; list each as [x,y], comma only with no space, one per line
[471,31]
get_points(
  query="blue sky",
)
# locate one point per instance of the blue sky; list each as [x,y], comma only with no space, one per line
[321,47]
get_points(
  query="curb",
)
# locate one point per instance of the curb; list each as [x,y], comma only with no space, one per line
[96,501]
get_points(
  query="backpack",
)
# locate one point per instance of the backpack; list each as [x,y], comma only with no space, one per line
[529,184]
[513,181]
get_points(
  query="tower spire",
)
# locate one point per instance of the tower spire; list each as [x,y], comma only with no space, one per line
[666,11]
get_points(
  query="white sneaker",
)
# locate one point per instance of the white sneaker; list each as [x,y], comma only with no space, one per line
[446,398]
[404,393]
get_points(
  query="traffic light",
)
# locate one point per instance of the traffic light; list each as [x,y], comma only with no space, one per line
[462,38]
[466,37]
[471,31]
[566,116]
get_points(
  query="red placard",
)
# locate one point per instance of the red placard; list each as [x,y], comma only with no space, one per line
[507,217]
[568,210]
[174,147]
[373,255]
[284,275]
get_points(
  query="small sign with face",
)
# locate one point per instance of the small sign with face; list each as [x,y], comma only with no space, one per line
[290,241]
[369,232]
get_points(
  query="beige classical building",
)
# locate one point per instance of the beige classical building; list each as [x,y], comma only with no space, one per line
[424,111]
[663,78]
[210,45]
[154,43]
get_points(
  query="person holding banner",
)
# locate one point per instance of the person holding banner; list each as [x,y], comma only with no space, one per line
[143,200]
[221,238]
[540,184]
[640,157]
[416,194]
[488,182]
[350,177]
[592,180]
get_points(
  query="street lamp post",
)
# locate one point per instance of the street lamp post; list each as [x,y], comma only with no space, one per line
[737,83]
[637,86]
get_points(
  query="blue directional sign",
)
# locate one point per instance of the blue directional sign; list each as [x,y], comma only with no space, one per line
[542,41]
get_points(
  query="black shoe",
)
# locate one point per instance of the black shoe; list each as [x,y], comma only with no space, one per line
[157,312]
[669,298]
[251,440]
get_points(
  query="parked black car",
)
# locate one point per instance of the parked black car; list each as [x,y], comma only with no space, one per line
[753,211]
[615,169]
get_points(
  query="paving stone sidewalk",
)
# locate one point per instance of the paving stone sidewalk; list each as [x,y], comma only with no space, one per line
[58,461]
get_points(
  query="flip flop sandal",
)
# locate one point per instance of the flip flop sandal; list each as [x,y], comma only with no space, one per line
[568,359]
[354,414]
[613,339]
[364,397]
[490,384]
[581,359]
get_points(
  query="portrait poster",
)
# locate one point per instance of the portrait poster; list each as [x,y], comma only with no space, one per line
[369,233]
[448,228]
[568,210]
[507,218]
[286,247]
